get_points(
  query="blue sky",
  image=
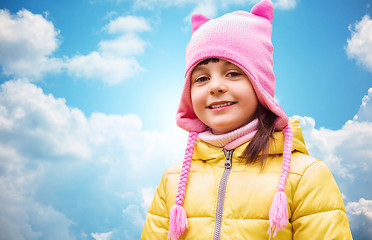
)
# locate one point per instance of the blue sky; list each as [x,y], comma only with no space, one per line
[89,91]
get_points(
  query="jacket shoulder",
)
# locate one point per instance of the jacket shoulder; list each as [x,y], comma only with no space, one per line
[173,169]
[316,190]
[300,162]
[316,199]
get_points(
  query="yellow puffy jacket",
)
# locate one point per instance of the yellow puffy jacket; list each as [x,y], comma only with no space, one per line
[315,205]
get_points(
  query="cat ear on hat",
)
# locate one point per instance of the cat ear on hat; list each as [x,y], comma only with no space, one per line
[197,20]
[264,9]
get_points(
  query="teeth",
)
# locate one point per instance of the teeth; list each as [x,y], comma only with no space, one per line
[221,105]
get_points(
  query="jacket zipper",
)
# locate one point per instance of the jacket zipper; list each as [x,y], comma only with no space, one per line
[221,193]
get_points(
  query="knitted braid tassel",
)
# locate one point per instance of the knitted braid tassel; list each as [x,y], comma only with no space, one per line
[278,214]
[177,217]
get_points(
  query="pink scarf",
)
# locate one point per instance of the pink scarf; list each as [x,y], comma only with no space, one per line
[232,139]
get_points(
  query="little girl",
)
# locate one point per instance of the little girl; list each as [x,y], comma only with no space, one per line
[246,173]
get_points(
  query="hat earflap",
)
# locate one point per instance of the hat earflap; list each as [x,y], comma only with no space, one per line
[278,214]
[177,216]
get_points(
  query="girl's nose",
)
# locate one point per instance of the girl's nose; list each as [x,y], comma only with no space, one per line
[217,85]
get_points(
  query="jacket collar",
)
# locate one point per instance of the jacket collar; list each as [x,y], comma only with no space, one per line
[204,151]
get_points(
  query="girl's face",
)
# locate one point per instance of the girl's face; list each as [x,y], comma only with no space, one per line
[222,96]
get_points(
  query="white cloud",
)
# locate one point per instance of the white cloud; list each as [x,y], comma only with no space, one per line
[285,4]
[207,8]
[359,46]
[360,218]
[40,124]
[96,65]
[27,42]
[340,148]
[63,174]
[346,149]
[114,61]
[365,110]
[21,217]
[362,207]
[147,196]
[128,24]
[133,214]
[127,45]
[102,236]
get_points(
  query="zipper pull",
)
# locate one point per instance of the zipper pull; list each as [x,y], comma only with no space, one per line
[228,154]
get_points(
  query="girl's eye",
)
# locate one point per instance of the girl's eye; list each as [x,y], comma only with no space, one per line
[201,79]
[233,74]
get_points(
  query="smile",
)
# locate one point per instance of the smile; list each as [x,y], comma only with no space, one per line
[221,105]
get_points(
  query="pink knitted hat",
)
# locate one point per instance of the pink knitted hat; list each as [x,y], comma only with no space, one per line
[243,38]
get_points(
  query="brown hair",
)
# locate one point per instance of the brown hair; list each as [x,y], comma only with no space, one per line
[208,60]
[260,141]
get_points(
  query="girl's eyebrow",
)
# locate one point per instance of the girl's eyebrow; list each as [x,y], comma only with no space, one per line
[197,68]
[229,63]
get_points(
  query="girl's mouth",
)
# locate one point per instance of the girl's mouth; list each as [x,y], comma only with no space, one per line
[220,105]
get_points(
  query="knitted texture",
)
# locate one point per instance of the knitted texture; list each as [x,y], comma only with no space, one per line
[232,139]
[243,38]
[177,217]
[278,214]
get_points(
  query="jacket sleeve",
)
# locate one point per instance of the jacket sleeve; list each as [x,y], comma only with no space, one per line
[157,219]
[318,211]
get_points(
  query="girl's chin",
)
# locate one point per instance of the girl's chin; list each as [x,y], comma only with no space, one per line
[219,131]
